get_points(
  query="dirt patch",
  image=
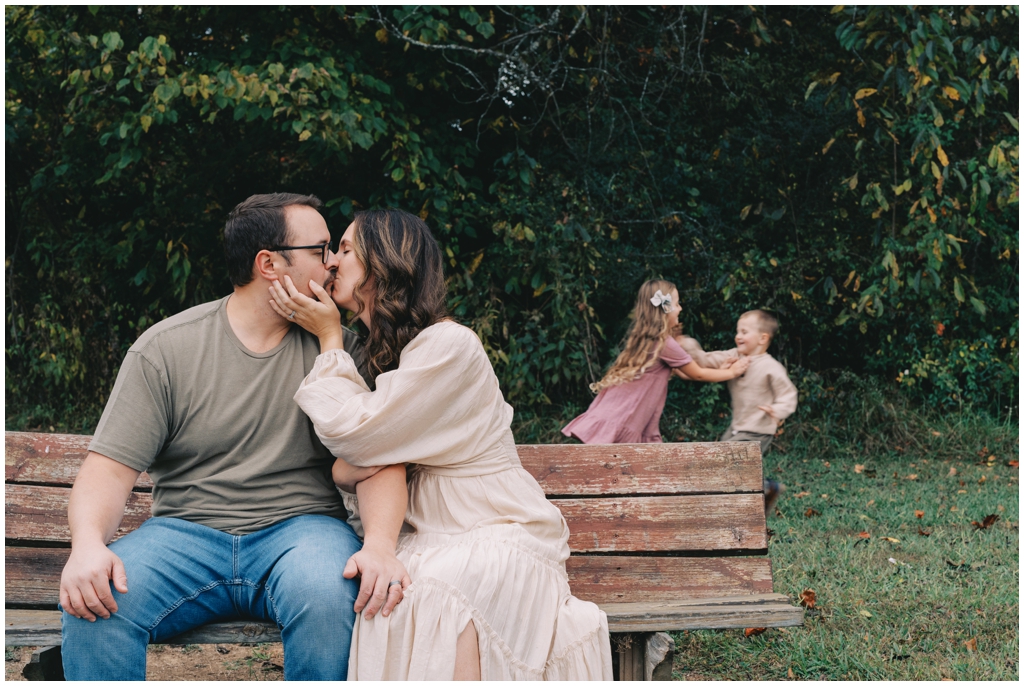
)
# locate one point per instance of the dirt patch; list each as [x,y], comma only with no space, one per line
[228,662]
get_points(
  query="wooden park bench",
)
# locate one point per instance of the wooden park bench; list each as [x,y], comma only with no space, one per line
[664,537]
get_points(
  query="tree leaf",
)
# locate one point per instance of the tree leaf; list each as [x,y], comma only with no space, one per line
[979,306]
[112,40]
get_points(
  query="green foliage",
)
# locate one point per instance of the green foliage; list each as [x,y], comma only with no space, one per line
[855,171]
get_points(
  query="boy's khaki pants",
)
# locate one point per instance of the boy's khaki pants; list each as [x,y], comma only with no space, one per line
[764,439]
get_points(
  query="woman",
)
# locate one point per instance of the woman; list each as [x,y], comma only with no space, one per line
[485,550]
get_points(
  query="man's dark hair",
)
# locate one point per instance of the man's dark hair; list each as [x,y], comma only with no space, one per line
[258,223]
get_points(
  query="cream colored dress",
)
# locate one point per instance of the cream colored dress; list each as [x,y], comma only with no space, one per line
[480,540]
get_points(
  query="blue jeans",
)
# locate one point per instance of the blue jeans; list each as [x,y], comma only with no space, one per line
[182,575]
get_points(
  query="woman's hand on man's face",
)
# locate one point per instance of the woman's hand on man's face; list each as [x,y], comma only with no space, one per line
[320,316]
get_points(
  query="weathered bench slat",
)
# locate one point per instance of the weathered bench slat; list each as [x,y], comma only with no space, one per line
[619,579]
[51,459]
[666,523]
[40,513]
[33,577]
[561,469]
[718,613]
[656,523]
[42,627]
[674,468]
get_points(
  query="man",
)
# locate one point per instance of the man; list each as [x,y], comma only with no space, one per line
[246,519]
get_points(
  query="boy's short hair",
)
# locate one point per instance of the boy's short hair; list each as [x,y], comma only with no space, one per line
[766,323]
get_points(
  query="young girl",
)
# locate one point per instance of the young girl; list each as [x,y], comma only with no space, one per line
[631,396]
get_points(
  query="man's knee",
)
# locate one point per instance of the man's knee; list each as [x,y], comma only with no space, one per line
[308,578]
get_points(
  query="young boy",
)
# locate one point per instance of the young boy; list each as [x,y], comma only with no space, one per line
[762,397]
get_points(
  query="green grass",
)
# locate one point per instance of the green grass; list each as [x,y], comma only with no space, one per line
[875,619]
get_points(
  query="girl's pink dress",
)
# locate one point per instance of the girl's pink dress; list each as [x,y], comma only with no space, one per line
[631,412]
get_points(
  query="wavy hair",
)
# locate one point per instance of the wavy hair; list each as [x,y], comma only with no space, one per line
[644,340]
[404,269]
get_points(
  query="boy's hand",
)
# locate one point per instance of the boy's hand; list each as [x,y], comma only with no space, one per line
[767,409]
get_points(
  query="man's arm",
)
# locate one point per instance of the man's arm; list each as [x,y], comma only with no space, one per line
[383,499]
[95,509]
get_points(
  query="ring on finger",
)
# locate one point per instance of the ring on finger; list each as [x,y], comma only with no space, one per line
[292,315]
[397,581]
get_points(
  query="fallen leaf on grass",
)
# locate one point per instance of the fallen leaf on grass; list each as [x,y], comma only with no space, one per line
[922,532]
[935,433]
[972,645]
[747,633]
[912,477]
[858,468]
[890,539]
[952,471]
[919,513]
[790,674]
[863,534]
[811,512]
[802,494]
[870,503]
[986,523]
[808,598]
[865,613]
[982,480]
[1013,463]
[960,566]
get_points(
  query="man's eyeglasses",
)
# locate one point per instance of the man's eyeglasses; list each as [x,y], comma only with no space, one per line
[322,247]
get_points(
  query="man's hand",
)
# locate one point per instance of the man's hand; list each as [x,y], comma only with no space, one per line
[767,409]
[378,567]
[85,582]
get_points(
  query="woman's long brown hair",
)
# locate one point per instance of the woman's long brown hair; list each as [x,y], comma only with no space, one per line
[644,340]
[404,269]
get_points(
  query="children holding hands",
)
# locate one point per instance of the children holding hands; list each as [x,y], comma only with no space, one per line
[631,395]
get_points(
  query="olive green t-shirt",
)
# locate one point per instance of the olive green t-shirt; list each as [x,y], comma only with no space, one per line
[215,425]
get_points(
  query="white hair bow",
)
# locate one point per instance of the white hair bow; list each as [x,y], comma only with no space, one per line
[662,300]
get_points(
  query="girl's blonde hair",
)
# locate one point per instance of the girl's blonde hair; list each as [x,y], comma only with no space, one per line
[644,340]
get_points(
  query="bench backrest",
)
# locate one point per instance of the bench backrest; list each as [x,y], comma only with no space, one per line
[649,522]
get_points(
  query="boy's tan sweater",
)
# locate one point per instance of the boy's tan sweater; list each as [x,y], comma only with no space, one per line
[764,383]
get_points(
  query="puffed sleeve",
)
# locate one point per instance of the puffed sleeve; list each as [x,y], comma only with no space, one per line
[673,354]
[439,406]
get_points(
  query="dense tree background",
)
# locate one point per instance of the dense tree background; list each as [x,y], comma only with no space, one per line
[854,170]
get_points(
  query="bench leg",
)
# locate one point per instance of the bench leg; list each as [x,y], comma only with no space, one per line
[659,657]
[45,665]
[644,656]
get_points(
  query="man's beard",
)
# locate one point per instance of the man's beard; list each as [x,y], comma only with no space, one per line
[329,281]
